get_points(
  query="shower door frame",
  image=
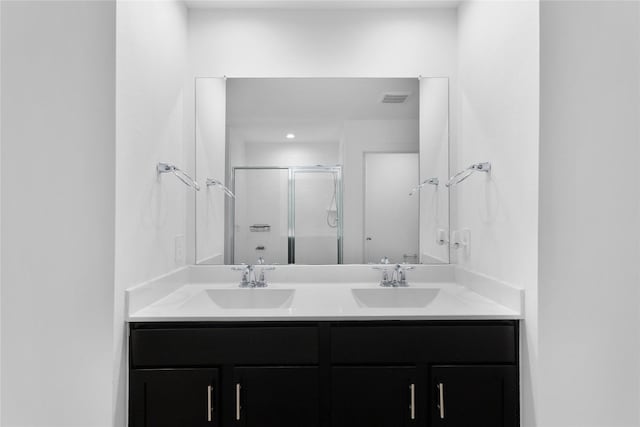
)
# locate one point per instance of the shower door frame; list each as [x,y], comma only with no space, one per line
[291,221]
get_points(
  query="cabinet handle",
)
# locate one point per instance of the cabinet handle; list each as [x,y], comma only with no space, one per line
[412,387]
[238,402]
[209,404]
[441,400]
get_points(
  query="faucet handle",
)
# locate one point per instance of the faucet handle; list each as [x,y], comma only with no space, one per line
[262,281]
[248,275]
[384,280]
[384,260]
[403,266]
[241,267]
[400,274]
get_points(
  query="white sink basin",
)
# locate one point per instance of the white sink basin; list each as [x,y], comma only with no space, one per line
[251,298]
[394,297]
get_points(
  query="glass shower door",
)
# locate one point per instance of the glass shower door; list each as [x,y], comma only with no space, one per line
[315,235]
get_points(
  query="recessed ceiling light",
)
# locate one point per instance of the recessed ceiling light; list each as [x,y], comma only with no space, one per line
[290,136]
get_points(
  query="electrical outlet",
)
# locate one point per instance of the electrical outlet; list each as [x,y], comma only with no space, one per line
[461,239]
[178,249]
[441,237]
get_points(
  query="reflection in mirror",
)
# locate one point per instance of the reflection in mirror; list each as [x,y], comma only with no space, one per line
[322,170]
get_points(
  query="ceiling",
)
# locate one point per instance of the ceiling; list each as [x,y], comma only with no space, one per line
[322,4]
[274,132]
[254,100]
[314,109]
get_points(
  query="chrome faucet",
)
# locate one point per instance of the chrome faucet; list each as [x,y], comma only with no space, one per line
[248,278]
[398,274]
[384,281]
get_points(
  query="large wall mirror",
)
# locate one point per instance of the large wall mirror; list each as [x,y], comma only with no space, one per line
[322,170]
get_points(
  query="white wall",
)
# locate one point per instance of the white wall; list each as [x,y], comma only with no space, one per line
[497,121]
[434,163]
[298,43]
[210,141]
[152,125]
[589,277]
[291,153]
[261,198]
[58,184]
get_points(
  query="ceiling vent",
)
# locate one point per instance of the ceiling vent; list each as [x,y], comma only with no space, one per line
[395,97]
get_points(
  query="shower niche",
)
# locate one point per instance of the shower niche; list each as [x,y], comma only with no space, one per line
[323,170]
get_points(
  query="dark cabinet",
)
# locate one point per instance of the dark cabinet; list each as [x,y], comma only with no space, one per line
[276,397]
[474,396]
[374,397]
[174,397]
[324,374]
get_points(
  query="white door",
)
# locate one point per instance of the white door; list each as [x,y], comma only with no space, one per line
[391,216]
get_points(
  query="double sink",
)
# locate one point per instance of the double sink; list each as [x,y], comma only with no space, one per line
[319,293]
[274,298]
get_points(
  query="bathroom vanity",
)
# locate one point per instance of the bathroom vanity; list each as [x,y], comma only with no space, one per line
[322,354]
[324,345]
[341,374]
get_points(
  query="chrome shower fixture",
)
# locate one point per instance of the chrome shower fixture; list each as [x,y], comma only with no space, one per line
[211,182]
[431,181]
[180,174]
[466,173]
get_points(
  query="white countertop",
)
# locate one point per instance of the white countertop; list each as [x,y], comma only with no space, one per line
[319,301]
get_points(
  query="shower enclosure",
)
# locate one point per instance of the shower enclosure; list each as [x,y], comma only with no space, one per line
[287,215]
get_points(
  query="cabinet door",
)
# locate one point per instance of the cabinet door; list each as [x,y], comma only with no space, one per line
[276,397]
[474,396]
[173,397]
[375,397]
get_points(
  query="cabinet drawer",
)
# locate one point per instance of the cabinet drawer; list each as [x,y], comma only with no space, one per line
[183,347]
[427,343]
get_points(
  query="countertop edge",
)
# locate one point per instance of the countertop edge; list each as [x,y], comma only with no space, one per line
[231,319]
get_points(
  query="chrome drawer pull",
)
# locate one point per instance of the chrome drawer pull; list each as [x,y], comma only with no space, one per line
[238,402]
[209,404]
[412,387]
[441,400]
